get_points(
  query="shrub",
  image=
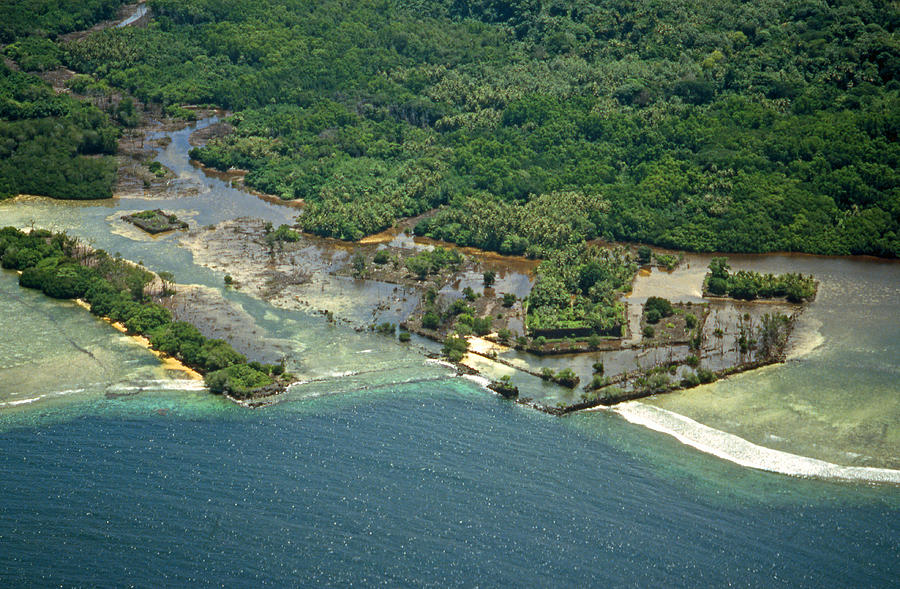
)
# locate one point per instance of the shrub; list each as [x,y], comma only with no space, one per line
[149,318]
[455,348]
[696,341]
[431,320]
[667,261]
[385,328]
[509,299]
[719,267]
[690,321]
[469,294]
[717,286]
[705,376]
[503,335]
[692,361]
[661,305]
[652,316]
[459,307]
[644,253]
[67,281]
[404,336]
[649,331]
[655,383]
[598,367]
[239,380]
[284,233]
[215,354]
[173,337]
[123,308]
[382,257]
[567,378]
[418,266]
[481,325]
[489,278]
[690,380]
[594,341]
[359,264]
[598,382]
[32,277]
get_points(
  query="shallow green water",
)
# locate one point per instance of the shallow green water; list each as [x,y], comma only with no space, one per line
[838,396]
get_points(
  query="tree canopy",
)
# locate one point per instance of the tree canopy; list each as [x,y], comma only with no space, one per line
[698,125]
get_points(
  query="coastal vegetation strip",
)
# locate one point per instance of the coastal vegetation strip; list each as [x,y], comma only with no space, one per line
[746,285]
[64,268]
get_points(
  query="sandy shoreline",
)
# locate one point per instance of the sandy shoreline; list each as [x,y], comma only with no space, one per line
[167,362]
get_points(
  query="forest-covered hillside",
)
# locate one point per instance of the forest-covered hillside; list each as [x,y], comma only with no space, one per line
[48,18]
[704,125]
[50,144]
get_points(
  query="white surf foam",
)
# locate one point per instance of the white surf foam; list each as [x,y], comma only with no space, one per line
[807,339]
[177,384]
[738,450]
[68,392]
[22,401]
[440,363]
[480,380]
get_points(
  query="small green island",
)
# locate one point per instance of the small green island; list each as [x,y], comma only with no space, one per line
[155,221]
[127,294]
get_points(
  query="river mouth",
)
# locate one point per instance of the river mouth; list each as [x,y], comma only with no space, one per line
[835,400]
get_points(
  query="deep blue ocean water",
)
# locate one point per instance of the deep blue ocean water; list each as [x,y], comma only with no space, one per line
[432,484]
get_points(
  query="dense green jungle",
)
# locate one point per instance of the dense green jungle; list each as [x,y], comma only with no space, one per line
[51,144]
[530,125]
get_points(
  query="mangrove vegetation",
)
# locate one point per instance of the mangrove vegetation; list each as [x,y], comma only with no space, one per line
[64,268]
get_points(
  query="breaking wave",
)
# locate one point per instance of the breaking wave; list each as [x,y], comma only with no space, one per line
[738,450]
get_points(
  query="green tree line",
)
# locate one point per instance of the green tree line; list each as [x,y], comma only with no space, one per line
[63,268]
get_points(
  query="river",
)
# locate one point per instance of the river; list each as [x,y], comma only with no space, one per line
[384,468]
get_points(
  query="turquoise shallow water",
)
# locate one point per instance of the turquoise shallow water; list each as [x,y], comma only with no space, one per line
[431,484]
